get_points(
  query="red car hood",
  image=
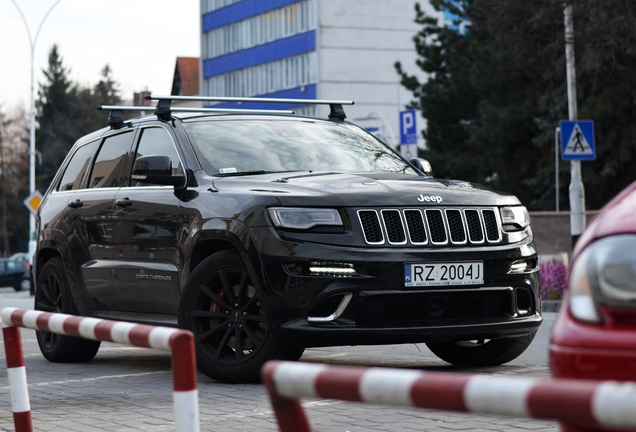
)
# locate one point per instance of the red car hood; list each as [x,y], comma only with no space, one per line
[616,217]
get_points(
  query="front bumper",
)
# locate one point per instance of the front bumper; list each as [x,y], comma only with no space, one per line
[589,351]
[372,306]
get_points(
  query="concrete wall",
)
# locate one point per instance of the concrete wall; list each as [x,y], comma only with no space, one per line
[552,231]
[358,43]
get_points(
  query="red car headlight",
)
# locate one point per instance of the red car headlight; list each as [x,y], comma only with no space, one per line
[604,273]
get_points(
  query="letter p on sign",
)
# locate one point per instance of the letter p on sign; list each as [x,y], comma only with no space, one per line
[408,128]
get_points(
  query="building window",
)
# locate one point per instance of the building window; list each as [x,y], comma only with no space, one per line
[287,73]
[273,25]
[212,5]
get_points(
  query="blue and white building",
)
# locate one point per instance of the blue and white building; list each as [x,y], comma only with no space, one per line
[312,49]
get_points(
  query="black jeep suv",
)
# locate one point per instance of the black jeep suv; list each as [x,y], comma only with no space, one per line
[264,233]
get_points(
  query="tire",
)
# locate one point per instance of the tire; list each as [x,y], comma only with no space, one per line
[222,307]
[489,352]
[53,295]
[25,284]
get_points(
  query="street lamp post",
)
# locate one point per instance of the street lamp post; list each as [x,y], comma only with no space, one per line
[576,189]
[32,42]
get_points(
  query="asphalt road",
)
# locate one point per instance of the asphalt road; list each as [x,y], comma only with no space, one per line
[130,389]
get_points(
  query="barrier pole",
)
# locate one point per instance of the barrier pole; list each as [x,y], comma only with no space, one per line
[576,404]
[179,342]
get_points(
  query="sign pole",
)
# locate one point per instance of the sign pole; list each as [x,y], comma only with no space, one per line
[557,144]
[577,193]
[32,186]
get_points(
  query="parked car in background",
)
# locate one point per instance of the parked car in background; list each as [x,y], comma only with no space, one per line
[594,335]
[21,256]
[15,273]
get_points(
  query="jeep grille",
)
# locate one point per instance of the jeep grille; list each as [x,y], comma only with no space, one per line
[431,226]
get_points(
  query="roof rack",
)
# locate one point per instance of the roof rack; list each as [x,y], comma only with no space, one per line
[163,110]
[116,118]
[335,106]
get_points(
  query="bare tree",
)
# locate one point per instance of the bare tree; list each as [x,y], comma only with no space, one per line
[14,152]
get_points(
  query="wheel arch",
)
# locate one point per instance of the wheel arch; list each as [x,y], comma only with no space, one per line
[233,235]
[43,256]
[53,249]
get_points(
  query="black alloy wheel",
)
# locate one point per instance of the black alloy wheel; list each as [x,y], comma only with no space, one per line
[222,307]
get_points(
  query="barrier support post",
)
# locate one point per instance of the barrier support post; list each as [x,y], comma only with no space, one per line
[289,412]
[16,374]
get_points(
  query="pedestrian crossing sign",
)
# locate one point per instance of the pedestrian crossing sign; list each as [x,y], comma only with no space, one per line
[577,140]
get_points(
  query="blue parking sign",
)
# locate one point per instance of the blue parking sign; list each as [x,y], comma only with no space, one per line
[408,127]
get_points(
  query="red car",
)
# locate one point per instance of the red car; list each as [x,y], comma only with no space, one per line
[594,335]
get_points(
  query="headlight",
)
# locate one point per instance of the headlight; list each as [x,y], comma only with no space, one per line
[514,218]
[604,273]
[304,218]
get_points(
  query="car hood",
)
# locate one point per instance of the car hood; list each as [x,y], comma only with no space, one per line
[360,190]
[616,217]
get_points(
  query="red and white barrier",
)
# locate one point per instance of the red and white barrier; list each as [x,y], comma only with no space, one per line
[179,342]
[577,405]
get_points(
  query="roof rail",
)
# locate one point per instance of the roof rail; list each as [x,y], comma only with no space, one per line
[335,106]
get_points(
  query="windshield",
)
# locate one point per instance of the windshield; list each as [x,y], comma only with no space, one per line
[258,146]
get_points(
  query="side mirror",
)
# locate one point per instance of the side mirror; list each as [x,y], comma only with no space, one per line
[423,165]
[156,169]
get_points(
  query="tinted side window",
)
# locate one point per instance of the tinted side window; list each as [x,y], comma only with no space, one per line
[157,141]
[77,166]
[110,161]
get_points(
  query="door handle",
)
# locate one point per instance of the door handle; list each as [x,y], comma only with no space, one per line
[76,204]
[123,202]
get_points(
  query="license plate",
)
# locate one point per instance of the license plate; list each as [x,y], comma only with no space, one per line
[442,274]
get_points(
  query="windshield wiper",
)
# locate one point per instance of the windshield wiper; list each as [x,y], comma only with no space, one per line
[254,172]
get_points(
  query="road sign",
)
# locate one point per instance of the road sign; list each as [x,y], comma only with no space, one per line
[33,201]
[408,127]
[577,140]
[408,151]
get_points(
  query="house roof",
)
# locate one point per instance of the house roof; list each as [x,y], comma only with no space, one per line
[186,77]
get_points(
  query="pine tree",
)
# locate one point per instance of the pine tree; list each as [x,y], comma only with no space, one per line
[57,116]
[496,93]
[67,111]
[105,92]
[447,100]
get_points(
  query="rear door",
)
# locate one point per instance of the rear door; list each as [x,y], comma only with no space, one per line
[90,225]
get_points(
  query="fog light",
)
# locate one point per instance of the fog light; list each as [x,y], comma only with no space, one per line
[518,267]
[331,269]
[523,266]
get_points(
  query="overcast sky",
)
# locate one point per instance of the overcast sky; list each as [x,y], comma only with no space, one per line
[139,39]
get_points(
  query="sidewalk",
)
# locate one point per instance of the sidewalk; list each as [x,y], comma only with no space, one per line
[550,305]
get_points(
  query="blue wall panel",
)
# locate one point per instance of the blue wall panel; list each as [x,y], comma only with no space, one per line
[291,46]
[306,92]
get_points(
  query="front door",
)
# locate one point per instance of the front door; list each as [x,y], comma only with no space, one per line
[146,227]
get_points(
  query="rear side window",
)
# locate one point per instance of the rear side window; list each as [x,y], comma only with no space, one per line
[13,267]
[110,162]
[77,166]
